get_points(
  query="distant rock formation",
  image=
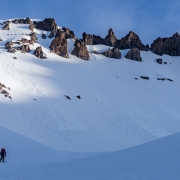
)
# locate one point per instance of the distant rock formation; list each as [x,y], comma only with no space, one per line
[169,46]
[92,39]
[8,45]
[6,26]
[68,33]
[31,27]
[25,48]
[112,53]
[80,50]
[43,36]
[22,21]
[33,37]
[131,40]
[59,46]
[48,24]
[39,53]
[134,54]
[110,39]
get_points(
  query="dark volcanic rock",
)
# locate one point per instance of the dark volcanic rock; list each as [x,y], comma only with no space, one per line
[134,54]
[51,35]
[39,53]
[33,37]
[131,40]
[25,48]
[159,61]
[8,45]
[80,50]
[169,46]
[113,53]
[48,24]
[31,27]
[22,21]
[6,26]
[145,77]
[59,46]
[92,39]
[43,36]
[68,33]
[110,39]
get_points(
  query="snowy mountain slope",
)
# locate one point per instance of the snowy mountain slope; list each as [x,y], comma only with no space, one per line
[115,110]
[27,159]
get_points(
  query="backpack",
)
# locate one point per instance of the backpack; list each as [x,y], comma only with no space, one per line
[2,150]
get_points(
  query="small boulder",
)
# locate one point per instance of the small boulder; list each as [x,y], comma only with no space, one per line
[134,54]
[25,48]
[159,60]
[112,53]
[39,53]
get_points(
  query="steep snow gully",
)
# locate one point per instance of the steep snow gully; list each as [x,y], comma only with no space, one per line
[121,127]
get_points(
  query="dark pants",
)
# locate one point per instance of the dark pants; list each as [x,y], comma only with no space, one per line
[2,158]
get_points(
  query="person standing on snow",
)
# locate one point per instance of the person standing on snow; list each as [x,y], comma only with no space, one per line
[3,154]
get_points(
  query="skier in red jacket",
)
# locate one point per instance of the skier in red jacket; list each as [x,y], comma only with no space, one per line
[3,154]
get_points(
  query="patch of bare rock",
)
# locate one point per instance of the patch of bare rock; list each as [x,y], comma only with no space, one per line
[134,54]
[169,46]
[4,91]
[80,50]
[39,53]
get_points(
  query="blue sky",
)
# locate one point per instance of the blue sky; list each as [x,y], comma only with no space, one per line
[149,19]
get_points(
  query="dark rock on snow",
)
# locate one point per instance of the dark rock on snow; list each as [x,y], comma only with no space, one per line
[159,60]
[80,50]
[39,53]
[169,46]
[112,53]
[131,40]
[145,77]
[48,24]
[134,54]
[6,26]
[110,39]
[59,46]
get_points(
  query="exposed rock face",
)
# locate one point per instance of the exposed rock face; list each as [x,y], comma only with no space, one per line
[134,54]
[112,53]
[48,24]
[51,35]
[8,45]
[110,39]
[92,39]
[131,40]
[33,37]
[68,33]
[59,46]
[80,50]
[39,53]
[25,48]
[169,46]
[22,21]
[159,61]
[43,36]
[31,27]
[25,41]
[6,26]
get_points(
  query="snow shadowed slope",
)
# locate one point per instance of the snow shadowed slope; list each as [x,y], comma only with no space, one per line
[115,110]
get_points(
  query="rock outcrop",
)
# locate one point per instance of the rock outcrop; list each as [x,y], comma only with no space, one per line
[134,54]
[39,53]
[31,27]
[112,53]
[80,50]
[6,26]
[22,21]
[169,46]
[59,46]
[131,40]
[92,39]
[48,24]
[33,37]
[110,39]
[8,45]
[25,48]
[68,34]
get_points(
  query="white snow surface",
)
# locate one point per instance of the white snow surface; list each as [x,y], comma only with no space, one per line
[48,136]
